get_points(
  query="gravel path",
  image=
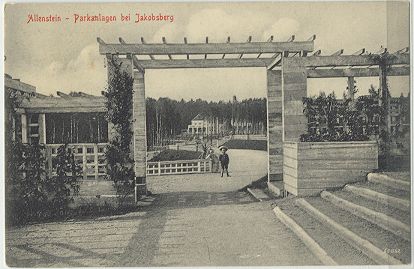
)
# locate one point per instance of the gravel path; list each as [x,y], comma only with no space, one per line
[194,220]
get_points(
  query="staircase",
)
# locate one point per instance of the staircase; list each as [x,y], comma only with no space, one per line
[361,224]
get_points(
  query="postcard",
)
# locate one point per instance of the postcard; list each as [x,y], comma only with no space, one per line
[143,134]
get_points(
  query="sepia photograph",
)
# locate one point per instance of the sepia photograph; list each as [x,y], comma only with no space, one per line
[176,134]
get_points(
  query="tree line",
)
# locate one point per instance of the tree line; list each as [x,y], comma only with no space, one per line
[167,118]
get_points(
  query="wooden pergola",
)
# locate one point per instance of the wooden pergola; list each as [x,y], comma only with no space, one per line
[289,63]
[213,55]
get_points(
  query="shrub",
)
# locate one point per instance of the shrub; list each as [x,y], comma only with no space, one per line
[62,187]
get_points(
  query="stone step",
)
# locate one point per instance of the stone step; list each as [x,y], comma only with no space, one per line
[258,194]
[276,188]
[379,244]
[381,198]
[319,238]
[392,182]
[397,193]
[403,176]
[366,209]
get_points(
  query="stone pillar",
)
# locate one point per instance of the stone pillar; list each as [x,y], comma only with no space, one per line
[140,139]
[294,84]
[274,125]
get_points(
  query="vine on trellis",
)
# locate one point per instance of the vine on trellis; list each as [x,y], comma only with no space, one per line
[120,163]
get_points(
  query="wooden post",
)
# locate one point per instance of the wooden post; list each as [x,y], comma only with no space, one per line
[275,127]
[351,86]
[13,121]
[159,168]
[384,98]
[384,101]
[49,161]
[84,162]
[24,128]
[140,136]
[42,128]
[95,151]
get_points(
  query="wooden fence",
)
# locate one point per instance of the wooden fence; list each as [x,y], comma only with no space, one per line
[90,156]
[198,166]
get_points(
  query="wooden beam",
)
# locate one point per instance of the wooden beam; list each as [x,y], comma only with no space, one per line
[359,52]
[404,50]
[134,59]
[185,42]
[317,53]
[269,40]
[344,60]
[337,53]
[100,41]
[202,48]
[164,41]
[291,39]
[18,85]
[275,62]
[382,51]
[143,42]
[205,55]
[228,42]
[63,95]
[357,72]
[66,109]
[86,95]
[249,40]
[205,63]
[39,95]
[305,53]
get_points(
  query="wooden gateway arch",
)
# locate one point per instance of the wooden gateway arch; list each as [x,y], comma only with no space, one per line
[288,66]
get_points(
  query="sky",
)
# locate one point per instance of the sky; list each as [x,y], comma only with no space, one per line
[64,56]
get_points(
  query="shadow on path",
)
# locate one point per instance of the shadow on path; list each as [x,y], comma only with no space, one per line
[145,244]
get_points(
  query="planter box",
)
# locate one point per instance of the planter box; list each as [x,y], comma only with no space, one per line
[311,167]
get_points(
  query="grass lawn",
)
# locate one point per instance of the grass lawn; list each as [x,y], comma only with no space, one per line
[174,155]
[246,144]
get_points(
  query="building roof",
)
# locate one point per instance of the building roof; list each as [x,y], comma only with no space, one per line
[16,84]
[199,116]
[64,104]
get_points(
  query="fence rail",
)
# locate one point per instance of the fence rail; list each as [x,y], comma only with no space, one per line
[90,156]
[198,166]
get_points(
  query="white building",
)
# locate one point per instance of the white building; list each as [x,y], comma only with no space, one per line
[202,124]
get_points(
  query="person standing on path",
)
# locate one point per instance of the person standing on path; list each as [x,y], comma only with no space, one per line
[214,161]
[224,160]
